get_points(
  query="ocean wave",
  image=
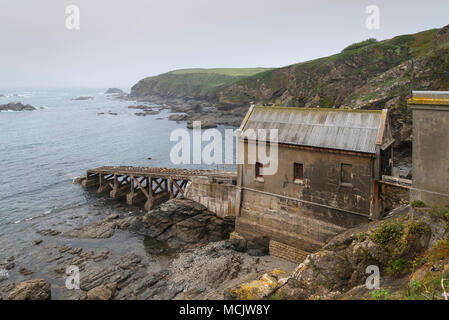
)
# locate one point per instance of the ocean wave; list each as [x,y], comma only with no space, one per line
[34,217]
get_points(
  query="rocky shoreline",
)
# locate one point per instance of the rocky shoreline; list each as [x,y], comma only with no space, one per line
[185,255]
[189,109]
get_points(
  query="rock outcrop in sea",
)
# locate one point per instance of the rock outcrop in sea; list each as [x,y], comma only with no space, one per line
[82,98]
[115,91]
[182,222]
[16,106]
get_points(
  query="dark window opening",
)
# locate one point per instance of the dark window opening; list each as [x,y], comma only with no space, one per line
[259,167]
[298,171]
[346,173]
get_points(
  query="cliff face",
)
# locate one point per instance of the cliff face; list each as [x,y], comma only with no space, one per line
[369,74]
[201,84]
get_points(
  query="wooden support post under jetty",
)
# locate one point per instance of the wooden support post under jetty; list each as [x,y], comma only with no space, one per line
[156,200]
[120,187]
[91,181]
[145,184]
[138,193]
[105,182]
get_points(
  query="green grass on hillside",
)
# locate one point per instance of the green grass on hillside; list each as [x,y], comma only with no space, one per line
[233,72]
[193,82]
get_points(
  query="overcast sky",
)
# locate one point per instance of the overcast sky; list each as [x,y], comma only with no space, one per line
[120,42]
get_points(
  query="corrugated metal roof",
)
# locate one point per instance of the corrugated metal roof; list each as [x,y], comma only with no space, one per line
[352,130]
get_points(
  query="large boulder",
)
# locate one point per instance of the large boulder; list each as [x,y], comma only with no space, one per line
[181,222]
[16,106]
[257,246]
[258,289]
[37,289]
[114,91]
[103,292]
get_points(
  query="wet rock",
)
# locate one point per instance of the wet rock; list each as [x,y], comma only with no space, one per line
[3,275]
[114,91]
[180,222]
[10,266]
[25,271]
[170,292]
[178,117]
[83,98]
[190,294]
[102,229]
[64,248]
[38,289]
[205,124]
[37,242]
[141,107]
[98,275]
[258,246]
[100,256]
[7,287]
[16,106]
[49,232]
[60,269]
[103,292]
[125,223]
[129,261]
[147,113]
[78,295]
[142,286]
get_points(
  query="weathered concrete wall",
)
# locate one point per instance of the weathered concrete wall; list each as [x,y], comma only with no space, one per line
[304,215]
[322,183]
[281,250]
[430,150]
[300,225]
[219,198]
[395,192]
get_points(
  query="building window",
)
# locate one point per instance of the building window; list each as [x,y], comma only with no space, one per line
[298,171]
[346,174]
[259,167]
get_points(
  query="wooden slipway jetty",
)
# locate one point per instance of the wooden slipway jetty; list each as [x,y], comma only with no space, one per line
[147,184]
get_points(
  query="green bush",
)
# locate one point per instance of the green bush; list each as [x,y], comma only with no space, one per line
[362,237]
[440,211]
[380,294]
[419,227]
[398,267]
[418,204]
[414,290]
[359,45]
[387,232]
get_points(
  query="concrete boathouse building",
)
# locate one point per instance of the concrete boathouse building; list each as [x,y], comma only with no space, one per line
[330,162]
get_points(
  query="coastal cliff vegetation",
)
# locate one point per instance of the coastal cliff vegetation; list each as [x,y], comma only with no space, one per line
[410,250]
[370,75]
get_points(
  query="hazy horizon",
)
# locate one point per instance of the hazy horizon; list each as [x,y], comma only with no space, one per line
[119,42]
